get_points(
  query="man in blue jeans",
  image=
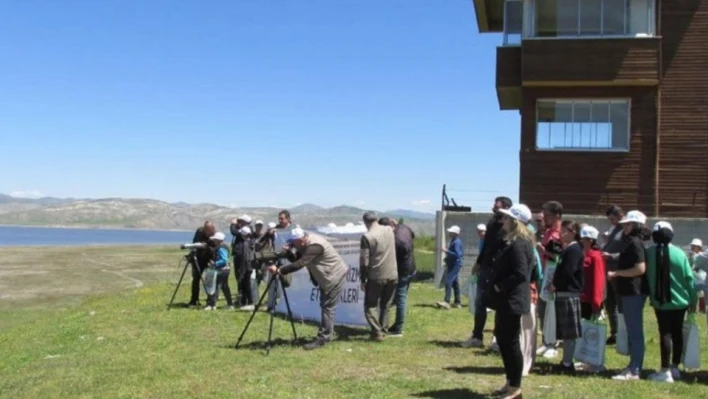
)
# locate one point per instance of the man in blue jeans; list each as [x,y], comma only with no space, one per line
[453,264]
[405,260]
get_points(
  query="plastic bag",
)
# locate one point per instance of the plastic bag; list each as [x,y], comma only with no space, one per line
[254,285]
[471,285]
[590,348]
[547,280]
[549,322]
[691,357]
[622,345]
[210,280]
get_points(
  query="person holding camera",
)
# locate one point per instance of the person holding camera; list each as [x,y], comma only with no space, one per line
[221,263]
[203,257]
[327,270]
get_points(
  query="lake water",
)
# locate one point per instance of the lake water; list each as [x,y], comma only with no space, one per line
[24,236]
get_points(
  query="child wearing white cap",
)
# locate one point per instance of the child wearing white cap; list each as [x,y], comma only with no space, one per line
[221,264]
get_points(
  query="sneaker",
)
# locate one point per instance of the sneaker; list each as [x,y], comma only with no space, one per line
[443,305]
[230,307]
[675,373]
[626,375]
[550,354]
[457,305]
[247,308]
[473,342]
[395,334]
[662,376]
[540,351]
[377,337]
[209,308]
[494,347]
[566,368]
[489,310]
[317,343]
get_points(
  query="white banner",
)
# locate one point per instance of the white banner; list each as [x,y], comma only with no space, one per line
[305,297]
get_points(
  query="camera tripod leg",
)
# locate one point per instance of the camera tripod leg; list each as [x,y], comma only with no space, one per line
[253,314]
[270,331]
[290,312]
[179,283]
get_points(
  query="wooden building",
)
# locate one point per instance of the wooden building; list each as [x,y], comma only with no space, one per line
[613,97]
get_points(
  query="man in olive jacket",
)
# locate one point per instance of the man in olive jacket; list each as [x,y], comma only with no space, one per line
[328,271]
[379,274]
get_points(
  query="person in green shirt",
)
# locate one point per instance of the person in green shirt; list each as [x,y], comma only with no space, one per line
[672,292]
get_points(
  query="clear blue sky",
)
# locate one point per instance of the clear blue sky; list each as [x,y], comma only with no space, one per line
[253,102]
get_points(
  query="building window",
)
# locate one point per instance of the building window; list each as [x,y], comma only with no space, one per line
[583,125]
[591,18]
[513,22]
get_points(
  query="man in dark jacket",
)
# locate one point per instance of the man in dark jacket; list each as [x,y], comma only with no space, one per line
[493,241]
[405,260]
[613,246]
[204,255]
[243,264]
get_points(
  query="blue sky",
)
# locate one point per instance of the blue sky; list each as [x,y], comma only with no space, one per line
[253,102]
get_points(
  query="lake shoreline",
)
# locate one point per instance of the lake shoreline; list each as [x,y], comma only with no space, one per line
[92,227]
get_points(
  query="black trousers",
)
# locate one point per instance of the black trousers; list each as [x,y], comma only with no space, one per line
[222,283]
[196,282]
[245,293]
[671,333]
[585,310]
[507,329]
[480,313]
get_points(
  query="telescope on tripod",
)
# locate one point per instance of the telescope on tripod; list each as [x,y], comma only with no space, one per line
[190,259]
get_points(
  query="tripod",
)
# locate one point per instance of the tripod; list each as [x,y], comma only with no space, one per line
[189,259]
[272,287]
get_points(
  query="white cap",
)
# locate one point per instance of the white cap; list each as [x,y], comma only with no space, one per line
[663,225]
[589,232]
[271,225]
[245,230]
[697,242]
[296,234]
[259,222]
[481,227]
[245,218]
[520,212]
[454,229]
[634,216]
[218,236]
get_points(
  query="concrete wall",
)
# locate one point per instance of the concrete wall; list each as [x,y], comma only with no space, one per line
[685,229]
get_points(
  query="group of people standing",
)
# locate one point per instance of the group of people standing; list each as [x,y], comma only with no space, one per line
[521,270]
[247,237]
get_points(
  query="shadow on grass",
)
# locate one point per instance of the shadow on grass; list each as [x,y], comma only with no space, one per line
[446,344]
[492,370]
[459,393]
[423,276]
[700,377]
[427,305]
[262,344]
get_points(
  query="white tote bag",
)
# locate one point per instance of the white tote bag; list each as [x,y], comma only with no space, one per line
[210,280]
[691,357]
[254,286]
[590,348]
[622,345]
[549,322]
[471,293]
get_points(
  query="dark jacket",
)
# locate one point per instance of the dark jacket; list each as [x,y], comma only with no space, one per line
[206,254]
[405,252]
[493,241]
[616,242]
[569,275]
[243,256]
[510,290]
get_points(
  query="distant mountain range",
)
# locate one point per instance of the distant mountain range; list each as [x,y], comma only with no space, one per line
[153,214]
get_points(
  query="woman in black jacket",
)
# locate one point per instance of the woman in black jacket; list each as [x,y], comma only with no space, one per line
[510,295]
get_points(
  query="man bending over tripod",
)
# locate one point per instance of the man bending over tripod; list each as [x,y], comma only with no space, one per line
[327,271]
[204,255]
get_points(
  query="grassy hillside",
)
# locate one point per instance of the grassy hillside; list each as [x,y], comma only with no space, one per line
[126,345]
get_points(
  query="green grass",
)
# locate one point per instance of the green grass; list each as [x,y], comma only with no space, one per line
[124,344]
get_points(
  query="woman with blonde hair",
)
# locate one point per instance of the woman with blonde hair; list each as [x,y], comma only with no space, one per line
[510,293]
